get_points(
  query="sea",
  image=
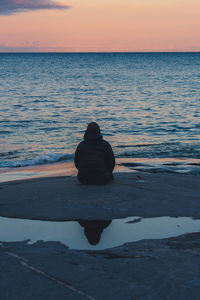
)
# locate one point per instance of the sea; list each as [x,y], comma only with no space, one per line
[147,105]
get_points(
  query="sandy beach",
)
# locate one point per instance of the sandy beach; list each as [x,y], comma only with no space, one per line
[148,269]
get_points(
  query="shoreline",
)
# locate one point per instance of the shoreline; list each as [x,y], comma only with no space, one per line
[123,164]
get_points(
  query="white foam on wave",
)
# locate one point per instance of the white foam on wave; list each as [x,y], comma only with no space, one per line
[40,160]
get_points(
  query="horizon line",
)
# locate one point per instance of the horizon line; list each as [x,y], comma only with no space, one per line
[101,52]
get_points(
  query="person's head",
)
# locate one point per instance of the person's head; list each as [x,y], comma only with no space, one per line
[93,127]
[93,131]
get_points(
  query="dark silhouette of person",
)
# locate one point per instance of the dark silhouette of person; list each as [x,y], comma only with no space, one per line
[94,229]
[94,157]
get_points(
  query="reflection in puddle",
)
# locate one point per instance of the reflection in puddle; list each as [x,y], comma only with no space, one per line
[94,229]
[96,235]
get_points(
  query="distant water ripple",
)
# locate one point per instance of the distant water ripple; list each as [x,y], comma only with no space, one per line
[147,104]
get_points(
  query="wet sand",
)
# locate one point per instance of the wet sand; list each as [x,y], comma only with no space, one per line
[149,269]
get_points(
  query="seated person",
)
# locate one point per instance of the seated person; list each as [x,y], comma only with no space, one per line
[94,157]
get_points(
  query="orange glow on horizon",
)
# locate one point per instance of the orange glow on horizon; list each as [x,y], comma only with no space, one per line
[94,25]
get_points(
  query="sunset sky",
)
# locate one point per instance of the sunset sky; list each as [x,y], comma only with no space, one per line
[99,25]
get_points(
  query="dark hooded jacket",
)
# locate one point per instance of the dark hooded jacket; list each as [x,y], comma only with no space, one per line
[94,157]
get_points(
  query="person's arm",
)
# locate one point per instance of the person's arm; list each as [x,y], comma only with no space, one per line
[109,157]
[77,157]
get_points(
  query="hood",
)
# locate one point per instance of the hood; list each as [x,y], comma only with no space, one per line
[93,132]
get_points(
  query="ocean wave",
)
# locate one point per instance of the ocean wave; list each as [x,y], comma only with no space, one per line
[159,150]
[5,131]
[8,153]
[161,153]
[9,158]
[39,160]
[146,145]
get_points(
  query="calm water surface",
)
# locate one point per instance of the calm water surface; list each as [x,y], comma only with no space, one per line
[96,235]
[147,104]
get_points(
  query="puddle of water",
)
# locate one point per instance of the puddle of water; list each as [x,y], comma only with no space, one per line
[95,235]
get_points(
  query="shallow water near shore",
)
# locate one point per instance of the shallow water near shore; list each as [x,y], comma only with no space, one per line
[150,165]
[96,235]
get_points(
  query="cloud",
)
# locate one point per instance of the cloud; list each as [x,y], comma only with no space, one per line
[35,46]
[9,7]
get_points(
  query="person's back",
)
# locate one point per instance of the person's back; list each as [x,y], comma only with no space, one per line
[94,157]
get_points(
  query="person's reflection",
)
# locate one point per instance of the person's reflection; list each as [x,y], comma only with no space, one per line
[94,229]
